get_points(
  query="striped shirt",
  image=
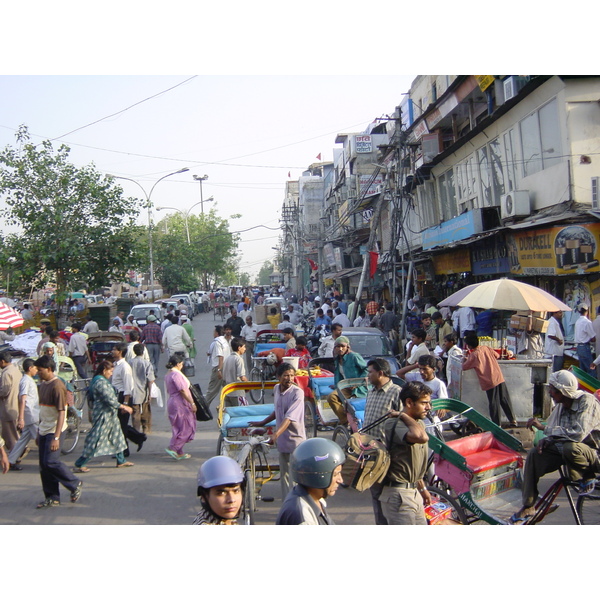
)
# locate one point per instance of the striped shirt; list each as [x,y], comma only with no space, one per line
[380,402]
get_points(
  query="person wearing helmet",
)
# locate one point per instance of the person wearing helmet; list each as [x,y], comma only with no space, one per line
[220,488]
[316,467]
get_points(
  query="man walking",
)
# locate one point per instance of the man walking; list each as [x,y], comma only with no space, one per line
[176,339]
[9,399]
[328,342]
[143,378]
[234,370]
[53,423]
[236,323]
[405,493]
[219,351]
[583,336]
[382,399]
[151,337]
[249,333]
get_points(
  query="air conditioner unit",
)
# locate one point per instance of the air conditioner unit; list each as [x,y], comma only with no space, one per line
[513,85]
[515,204]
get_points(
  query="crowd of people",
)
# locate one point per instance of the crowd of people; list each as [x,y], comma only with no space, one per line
[396,410]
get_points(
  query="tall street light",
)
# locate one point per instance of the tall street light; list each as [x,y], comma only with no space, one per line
[149,204]
[201,179]
[185,214]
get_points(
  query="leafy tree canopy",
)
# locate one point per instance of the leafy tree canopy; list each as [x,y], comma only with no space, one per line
[73,224]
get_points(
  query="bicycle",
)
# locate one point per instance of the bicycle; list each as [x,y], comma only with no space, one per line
[252,458]
[261,372]
[74,415]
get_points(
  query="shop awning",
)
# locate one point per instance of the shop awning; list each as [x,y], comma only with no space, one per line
[551,219]
[344,273]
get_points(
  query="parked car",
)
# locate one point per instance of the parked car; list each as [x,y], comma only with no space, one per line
[370,343]
[140,313]
[188,303]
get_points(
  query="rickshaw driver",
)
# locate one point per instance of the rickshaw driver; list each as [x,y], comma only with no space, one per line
[572,439]
[220,488]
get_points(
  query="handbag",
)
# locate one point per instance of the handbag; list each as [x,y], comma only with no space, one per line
[202,407]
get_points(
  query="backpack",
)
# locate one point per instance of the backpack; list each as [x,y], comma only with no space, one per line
[367,461]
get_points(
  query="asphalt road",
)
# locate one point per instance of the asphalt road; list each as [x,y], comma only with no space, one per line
[159,490]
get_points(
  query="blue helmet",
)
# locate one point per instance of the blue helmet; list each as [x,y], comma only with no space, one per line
[313,462]
[219,470]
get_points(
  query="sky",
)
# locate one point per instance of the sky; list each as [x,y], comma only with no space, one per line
[246,132]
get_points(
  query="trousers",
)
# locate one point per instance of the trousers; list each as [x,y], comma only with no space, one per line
[52,470]
[498,397]
[402,507]
[29,433]
[581,462]
[214,385]
[584,352]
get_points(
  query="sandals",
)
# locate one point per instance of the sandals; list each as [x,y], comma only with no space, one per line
[76,493]
[48,503]
[171,453]
[183,456]
[125,464]
[81,470]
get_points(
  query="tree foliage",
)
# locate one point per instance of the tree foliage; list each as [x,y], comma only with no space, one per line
[74,226]
[264,275]
[205,260]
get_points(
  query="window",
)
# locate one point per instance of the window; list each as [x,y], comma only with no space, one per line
[429,213]
[448,196]
[540,139]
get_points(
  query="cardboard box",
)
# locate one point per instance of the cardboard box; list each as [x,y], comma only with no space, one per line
[518,322]
[540,325]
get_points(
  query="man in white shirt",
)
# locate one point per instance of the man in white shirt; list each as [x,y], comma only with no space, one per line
[341,318]
[584,335]
[328,342]
[424,371]
[91,326]
[294,315]
[234,370]
[249,332]
[554,346]
[122,381]
[417,347]
[220,350]
[176,339]
[451,350]
[465,322]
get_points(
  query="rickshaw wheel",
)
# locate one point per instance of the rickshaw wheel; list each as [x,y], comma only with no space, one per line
[249,499]
[588,508]
[341,436]
[310,419]
[71,435]
[221,449]
[458,514]
[257,396]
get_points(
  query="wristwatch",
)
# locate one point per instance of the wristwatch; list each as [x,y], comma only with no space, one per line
[56,439]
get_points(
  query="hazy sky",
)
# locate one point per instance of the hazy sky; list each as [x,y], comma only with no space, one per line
[245,132]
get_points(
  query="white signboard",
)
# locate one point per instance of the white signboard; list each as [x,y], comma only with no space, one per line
[363,144]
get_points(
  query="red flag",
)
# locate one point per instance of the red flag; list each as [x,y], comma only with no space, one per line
[374,257]
[289,174]
[313,264]
[319,156]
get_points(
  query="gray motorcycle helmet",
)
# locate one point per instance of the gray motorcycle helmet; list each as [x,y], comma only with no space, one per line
[312,463]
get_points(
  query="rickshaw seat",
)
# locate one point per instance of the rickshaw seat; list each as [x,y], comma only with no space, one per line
[484,452]
[322,386]
[240,416]
[264,346]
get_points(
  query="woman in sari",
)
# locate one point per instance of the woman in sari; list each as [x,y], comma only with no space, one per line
[180,408]
[106,436]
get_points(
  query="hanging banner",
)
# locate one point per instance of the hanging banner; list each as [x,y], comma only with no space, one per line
[573,249]
[450,263]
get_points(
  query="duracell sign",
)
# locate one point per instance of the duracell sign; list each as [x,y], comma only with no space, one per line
[555,250]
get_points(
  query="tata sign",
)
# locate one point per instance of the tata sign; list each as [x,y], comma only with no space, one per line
[459,228]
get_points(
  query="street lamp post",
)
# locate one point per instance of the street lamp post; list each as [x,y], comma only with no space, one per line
[201,179]
[185,214]
[149,204]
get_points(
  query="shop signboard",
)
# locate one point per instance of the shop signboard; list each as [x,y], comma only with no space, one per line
[363,144]
[490,258]
[568,250]
[450,263]
[453,230]
[329,255]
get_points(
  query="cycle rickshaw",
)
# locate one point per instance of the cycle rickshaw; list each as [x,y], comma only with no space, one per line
[263,369]
[248,445]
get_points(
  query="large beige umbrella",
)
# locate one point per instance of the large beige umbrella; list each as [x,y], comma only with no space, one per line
[505,294]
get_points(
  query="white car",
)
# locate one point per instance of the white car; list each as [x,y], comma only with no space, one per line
[276,300]
[140,313]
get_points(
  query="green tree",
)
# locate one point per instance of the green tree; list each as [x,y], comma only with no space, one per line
[73,225]
[208,257]
[264,275]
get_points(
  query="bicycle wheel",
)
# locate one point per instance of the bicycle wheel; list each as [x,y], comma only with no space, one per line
[310,419]
[221,448]
[257,396]
[341,436]
[249,497]
[71,433]
[457,514]
[588,508]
